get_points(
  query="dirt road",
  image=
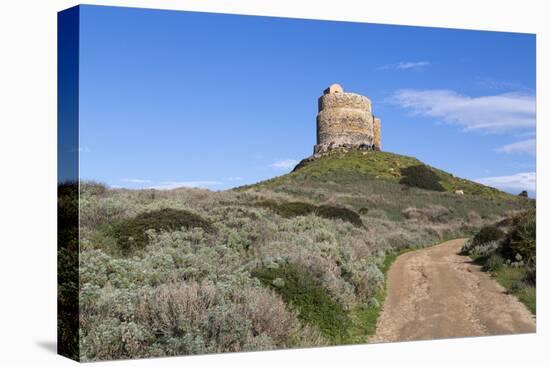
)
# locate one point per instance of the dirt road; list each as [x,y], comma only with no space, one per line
[436,293]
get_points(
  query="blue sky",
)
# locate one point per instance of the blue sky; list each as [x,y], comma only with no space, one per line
[171,98]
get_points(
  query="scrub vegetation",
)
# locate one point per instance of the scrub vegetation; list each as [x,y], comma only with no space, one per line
[507,250]
[296,261]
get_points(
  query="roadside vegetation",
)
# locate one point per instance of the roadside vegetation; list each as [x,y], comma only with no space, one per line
[298,261]
[365,318]
[507,250]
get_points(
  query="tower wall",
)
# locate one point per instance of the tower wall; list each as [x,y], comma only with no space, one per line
[344,121]
[377,134]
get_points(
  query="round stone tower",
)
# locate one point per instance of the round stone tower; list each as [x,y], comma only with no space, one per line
[345,121]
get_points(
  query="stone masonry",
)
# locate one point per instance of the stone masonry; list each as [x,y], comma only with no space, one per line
[345,121]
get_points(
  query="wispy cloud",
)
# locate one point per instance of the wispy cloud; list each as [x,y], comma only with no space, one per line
[285,164]
[169,185]
[134,180]
[496,113]
[514,183]
[528,146]
[406,65]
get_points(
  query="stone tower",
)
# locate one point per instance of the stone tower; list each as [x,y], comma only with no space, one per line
[345,121]
[377,134]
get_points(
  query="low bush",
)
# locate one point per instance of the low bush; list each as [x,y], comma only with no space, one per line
[297,287]
[493,263]
[222,322]
[487,234]
[131,233]
[520,242]
[510,256]
[481,251]
[421,176]
[188,318]
[334,212]
[294,209]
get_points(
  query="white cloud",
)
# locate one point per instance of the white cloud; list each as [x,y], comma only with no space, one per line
[134,180]
[514,183]
[285,164]
[169,185]
[495,113]
[412,65]
[405,65]
[525,146]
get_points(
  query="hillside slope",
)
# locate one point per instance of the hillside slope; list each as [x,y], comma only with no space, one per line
[397,185]
[356,166]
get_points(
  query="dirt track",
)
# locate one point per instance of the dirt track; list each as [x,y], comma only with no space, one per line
[436,293]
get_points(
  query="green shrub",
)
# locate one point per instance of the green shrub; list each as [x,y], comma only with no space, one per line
[334,212]
[131,233]
[295,209]
[297,287]
[493,263]
[421,176]
[487,234]
[521,240]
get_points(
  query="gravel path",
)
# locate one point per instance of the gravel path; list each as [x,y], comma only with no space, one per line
[436,293]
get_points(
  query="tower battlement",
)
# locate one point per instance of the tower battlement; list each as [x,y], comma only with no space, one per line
[345,120]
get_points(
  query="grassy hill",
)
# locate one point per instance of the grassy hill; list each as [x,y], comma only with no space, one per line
[355,168]
[295,261]
[396,185]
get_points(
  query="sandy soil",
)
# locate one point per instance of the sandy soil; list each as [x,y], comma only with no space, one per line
[436,293]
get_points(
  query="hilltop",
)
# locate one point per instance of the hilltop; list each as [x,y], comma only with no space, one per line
[389,183]
[356,168]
